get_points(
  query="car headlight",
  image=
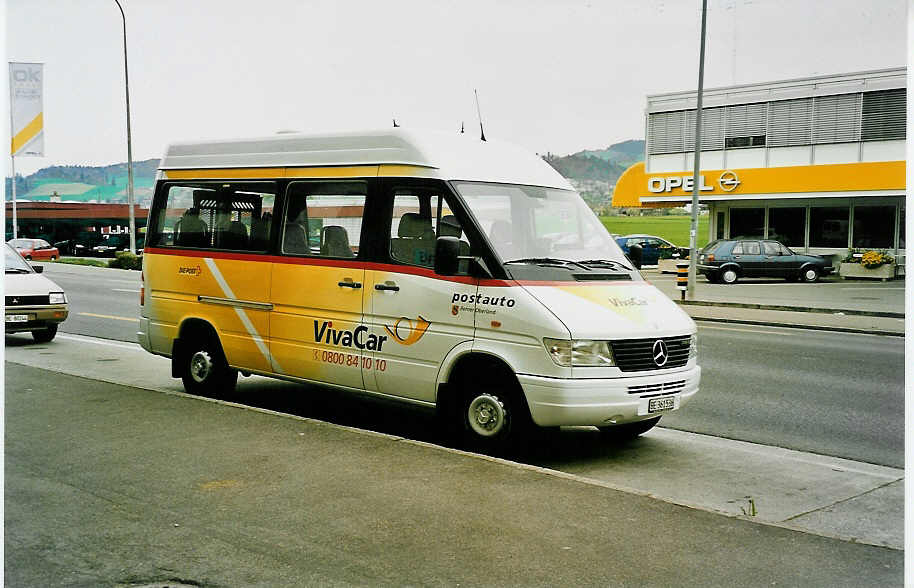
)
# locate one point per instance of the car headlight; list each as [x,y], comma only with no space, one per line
[693,346]
[579,352]
[57,298]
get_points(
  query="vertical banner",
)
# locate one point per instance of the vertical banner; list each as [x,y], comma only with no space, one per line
[26,109]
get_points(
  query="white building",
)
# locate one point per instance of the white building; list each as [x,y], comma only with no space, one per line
[817,163]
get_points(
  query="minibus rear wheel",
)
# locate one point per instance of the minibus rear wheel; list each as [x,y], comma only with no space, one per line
[205,371]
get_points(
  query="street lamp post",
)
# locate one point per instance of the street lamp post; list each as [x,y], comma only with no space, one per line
[129,144]
[693,230]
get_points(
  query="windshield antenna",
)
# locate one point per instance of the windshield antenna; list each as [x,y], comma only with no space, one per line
[461,127]
[395,123]
[482,133]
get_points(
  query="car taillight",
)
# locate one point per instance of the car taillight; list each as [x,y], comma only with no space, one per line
[142,289]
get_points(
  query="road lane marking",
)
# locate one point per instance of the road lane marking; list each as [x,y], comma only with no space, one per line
[108,316]
[124,290]
[96,341]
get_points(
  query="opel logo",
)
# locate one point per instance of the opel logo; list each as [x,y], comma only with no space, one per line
[728,181]
[660,353]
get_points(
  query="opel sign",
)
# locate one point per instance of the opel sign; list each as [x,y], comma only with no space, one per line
[728,181]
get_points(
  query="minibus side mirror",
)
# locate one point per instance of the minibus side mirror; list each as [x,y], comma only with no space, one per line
[38,269]
[635,255]
[447,250]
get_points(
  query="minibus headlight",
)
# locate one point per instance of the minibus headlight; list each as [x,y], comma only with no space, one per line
[57,298]
[693,346]
[579,353]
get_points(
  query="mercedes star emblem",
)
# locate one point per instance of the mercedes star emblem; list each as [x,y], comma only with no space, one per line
[660,353]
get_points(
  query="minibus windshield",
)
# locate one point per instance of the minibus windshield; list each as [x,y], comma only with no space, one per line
[533,224]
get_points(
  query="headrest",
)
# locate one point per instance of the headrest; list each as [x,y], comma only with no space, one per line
[413,225]
[449,227]
[335,234]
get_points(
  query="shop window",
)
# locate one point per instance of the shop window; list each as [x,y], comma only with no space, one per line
[747,223]
[874,226]
[901,230]
[828,226]
[753,141]
[787,225]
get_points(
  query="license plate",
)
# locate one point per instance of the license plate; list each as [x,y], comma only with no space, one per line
[17,318]
[658,404]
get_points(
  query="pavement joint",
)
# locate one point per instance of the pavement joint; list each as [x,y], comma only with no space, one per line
[843,500]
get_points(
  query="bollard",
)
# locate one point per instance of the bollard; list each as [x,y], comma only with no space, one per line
[682,277]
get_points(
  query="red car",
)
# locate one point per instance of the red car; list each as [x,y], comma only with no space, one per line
[35,249]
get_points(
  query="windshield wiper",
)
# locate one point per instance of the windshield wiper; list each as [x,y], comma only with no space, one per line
[609,262]
[17,270]
[548,261]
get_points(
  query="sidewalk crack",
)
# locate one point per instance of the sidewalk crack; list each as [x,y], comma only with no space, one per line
[843,500]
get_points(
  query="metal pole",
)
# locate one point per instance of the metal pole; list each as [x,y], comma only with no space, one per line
[129,143]
[696,184]
[15,228]
[13,165]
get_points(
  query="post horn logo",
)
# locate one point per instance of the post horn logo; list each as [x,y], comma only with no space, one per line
[413,331]
[728,181]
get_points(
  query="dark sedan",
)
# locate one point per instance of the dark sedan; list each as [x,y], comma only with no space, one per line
[728,260]
[653,248]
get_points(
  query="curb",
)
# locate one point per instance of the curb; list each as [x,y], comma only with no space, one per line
[878,332]
[883,314]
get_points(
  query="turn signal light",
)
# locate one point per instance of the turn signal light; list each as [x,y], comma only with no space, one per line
[710,257]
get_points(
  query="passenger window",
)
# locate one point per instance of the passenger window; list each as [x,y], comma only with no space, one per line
[419,218]
[215,215]
[738,249]
[324,218]
[772,248]
[751,248]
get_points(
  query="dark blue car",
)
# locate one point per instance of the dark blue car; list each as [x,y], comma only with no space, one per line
[653,248]
[727,260]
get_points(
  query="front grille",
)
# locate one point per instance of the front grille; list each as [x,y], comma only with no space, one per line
[658,389]
[636,355]
[27,300]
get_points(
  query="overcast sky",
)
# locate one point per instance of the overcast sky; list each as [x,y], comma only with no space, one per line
[559,75]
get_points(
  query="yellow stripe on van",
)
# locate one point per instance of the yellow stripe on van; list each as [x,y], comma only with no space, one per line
[224,174]
[410,171]
[342,171]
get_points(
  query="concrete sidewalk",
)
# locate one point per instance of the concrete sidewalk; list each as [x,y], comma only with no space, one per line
[834,321]
[110,485]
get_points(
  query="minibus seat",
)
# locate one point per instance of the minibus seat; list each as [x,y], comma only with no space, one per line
[335,242]
[502,236]
[236,236]
[295,239]
[450,227]
[260,232]
[190,230]
[415,242]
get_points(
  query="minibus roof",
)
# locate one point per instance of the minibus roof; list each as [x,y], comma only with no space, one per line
[448,156]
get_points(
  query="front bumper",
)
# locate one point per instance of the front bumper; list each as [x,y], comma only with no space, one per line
[606,401]
[37,317]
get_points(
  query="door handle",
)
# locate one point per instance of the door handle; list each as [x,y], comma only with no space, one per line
[387,286]
[350,284]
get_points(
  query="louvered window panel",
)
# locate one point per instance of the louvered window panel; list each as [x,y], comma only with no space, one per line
[712,129]
[884,115]
[836,119]
[666,132]
[747,120]
[790,122]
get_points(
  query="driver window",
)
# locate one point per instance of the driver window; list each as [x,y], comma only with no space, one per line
[419,217]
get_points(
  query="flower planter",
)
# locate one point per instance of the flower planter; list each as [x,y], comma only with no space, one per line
[856,270]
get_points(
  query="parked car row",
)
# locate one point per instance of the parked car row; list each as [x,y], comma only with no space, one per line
[728,260]
[86,245]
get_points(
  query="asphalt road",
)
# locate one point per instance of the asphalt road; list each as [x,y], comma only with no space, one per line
[836,394]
